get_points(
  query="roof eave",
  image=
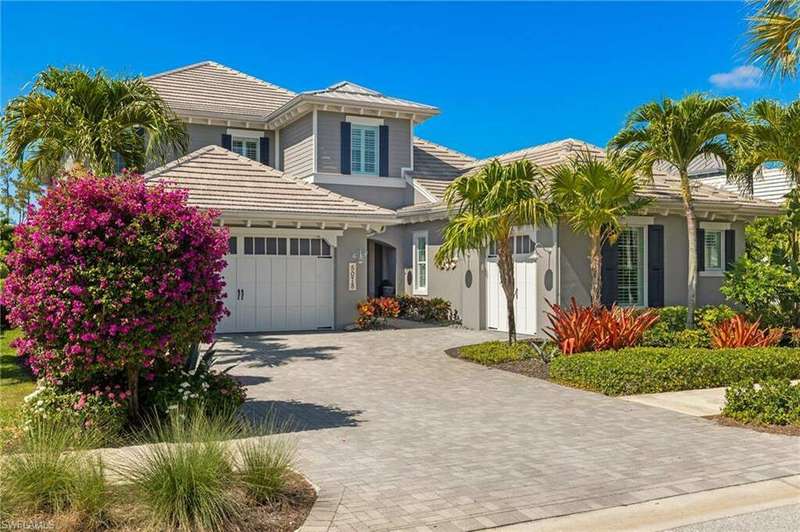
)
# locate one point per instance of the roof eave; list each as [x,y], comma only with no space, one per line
[288,217]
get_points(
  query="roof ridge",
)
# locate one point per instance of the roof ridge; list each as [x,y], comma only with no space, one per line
[446,148]
[155,172]
[221,67]
[538,147]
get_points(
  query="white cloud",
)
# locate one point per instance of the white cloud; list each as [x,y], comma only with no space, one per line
[742,77]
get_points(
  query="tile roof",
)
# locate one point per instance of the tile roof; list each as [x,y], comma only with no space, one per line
[220,179]
[664,189]
[350,92]
[209,88]
[434,161]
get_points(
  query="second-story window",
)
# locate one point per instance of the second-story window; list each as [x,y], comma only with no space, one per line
[364,149]
[245,146]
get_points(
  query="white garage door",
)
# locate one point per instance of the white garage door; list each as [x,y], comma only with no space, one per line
[278,284]
[524,284]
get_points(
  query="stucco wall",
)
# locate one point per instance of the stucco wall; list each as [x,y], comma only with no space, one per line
[576,276]
[352,241]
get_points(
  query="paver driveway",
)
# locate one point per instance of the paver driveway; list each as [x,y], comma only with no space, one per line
[398,435]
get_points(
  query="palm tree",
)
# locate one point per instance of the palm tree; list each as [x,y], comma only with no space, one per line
[677,133]
[774,36]
[72,116]
[487,205]
[594,195]
[774,137]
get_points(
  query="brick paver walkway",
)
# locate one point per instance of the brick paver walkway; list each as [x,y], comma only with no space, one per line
[398,435]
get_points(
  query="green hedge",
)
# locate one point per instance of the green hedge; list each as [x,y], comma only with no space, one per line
[775,402]
[489,353]
[654,369]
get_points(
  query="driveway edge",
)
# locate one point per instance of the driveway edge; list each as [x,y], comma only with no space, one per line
[676,511]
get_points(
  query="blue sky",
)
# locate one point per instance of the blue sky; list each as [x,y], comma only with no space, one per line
[504,75]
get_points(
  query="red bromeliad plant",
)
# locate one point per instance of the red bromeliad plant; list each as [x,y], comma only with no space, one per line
[577,329]
[573,328]
[375,311]
[619,327]
[738,332]
[110,278]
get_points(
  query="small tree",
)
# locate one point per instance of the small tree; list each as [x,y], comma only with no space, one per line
[487,205]
[774,36]
[594,195]
[109,277]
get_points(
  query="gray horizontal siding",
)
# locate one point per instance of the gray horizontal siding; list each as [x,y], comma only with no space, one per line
[297,147]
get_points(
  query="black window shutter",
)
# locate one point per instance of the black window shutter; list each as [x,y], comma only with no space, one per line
[655,265]
[264,147]
[226,141]
[701,250]
[345,152]
[608,292]
[730,248]
[383,146]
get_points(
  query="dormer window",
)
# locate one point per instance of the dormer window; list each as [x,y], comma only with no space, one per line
[364,149]
[245,146]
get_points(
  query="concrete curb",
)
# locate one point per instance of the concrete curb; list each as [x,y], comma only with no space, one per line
[672,512]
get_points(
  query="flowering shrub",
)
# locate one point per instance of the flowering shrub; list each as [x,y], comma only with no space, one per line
[109,275]
[186,390]
[738,332]
[375,311]
[577,329]
[102,407]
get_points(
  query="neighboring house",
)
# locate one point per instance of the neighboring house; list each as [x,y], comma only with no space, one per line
[330,198]
[770,184]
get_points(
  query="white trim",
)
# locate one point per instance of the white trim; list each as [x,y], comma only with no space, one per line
[315,137]
[638,221]
[239,138]
[422,190]
[363,120]
[645,266]
[357,180]
[416,289]
[277,149]
[715,226]
[245,133]
[720,272]
[411,144]
[711,273]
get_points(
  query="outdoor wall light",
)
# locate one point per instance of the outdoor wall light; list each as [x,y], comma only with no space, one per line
[359,256]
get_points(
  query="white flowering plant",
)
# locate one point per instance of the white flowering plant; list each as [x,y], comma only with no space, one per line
[103,408]
[185,390]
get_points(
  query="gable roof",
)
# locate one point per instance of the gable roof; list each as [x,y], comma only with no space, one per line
[434,161]
[212,89]
[219,179]
[347,91]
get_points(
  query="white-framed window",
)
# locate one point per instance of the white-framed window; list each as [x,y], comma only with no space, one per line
[247,146]
[364,150]
[632,267]
[420,253]
[714,250]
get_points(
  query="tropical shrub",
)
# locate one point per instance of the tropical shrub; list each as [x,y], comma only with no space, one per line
[671,318]
[653,369]
[110,276]
[214,391]
[374,312]
[425,309]
[101,408]
[794,337]
[738,332]
[577,329]
[773,402]
[710,316]
[660,336]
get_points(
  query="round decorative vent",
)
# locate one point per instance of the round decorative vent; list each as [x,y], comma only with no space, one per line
[409,277]
[468,278]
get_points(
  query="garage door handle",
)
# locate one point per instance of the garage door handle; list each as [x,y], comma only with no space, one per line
[242,294]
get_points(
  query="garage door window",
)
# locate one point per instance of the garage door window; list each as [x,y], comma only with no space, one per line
[232,245]
[304,247]
[315,247]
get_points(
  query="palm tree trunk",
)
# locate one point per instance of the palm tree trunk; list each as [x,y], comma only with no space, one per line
[691,228]
[505,263]
[596,262]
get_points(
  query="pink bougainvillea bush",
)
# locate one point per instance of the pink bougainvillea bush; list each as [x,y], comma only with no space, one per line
[112,278]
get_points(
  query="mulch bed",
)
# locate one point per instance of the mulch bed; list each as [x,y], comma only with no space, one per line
[530,367]
[786,430]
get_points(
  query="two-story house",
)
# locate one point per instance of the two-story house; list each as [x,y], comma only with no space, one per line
[330,197]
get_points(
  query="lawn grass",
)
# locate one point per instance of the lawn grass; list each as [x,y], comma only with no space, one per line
[15,383]
[491,353]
